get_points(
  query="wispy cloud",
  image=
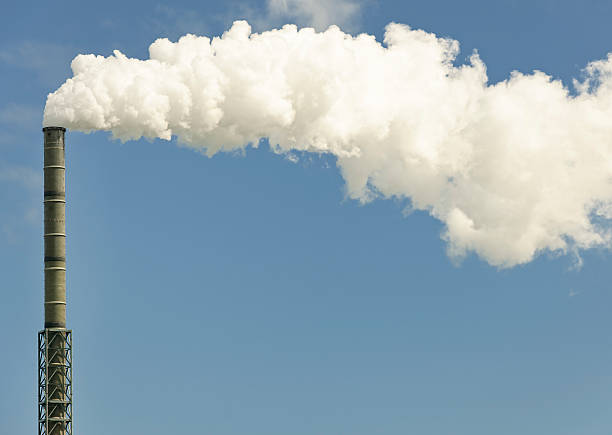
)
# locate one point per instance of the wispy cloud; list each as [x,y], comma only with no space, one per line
[21,115]
[13,222]
[319,14]
[50,61]
[27,212]
[7,138]
[16,119]
[573,293]
[173,22]
[21,175]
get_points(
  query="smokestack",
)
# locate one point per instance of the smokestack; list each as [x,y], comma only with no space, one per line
[55,228]
[55,341]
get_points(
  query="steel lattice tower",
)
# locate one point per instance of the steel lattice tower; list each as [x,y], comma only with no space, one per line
[55,341]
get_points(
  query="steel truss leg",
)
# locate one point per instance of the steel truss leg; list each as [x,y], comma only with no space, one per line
[55,382]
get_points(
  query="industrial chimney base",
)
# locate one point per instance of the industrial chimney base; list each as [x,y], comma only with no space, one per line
[55,382]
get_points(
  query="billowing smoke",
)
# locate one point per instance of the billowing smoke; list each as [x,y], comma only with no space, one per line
[512,169]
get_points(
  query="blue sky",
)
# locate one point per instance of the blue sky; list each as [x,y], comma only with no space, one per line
[244,294]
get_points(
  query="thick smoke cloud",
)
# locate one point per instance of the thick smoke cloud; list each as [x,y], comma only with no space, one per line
[512,169]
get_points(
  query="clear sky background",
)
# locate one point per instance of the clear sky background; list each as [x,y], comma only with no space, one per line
[244,294]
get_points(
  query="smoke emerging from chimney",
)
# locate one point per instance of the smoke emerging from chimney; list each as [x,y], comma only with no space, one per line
[512,169]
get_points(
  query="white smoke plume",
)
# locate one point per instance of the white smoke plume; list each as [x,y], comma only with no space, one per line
[512,169]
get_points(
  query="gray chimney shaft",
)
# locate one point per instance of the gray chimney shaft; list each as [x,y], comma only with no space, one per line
[55,227]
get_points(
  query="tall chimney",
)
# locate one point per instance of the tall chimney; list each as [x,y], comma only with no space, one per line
[55,228]
[55,341]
